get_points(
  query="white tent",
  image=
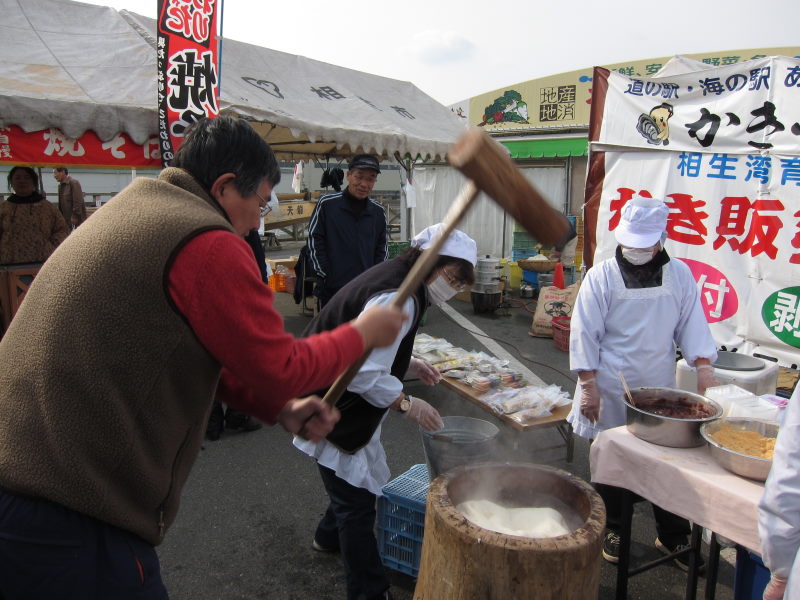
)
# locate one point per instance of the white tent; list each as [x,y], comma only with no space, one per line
[79,67]
[437,186]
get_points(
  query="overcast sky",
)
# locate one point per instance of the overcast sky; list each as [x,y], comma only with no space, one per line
[456,50]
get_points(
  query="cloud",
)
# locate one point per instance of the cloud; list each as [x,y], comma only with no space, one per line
[438,47]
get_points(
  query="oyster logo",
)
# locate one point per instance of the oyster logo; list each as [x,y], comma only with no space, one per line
[717,296]
[654,127]
[781,315]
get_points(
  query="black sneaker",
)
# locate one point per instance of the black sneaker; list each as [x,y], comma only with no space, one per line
[611,546]
[320,548]
[241,422]
[682,561]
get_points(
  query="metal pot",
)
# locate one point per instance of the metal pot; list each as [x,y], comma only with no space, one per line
[741,464]
[526,290]
[663,430]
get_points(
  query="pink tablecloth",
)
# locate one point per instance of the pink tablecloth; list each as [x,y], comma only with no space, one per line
[685,481]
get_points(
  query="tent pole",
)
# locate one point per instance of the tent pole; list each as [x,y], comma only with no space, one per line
[408,214]
[568,195]
[503,243]
[404,210]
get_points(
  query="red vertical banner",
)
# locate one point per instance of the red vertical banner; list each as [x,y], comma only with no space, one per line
[188,68]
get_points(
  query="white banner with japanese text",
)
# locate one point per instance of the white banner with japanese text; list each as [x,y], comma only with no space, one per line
[728,168]
[739,109]
[188,68]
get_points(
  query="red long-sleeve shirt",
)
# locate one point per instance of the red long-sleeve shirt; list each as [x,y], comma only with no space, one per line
[216,285]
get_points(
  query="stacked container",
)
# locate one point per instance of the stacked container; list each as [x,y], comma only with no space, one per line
[487,276]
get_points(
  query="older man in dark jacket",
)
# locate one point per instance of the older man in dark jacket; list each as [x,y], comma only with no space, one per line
[347,233]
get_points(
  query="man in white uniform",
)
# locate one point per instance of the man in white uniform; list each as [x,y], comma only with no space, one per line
[631,311]
[779,509]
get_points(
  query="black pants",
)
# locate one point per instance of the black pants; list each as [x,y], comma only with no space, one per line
[349,525]
[672,529]
[48,551]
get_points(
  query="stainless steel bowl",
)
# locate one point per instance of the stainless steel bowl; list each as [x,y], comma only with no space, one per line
[745,465]
[667,431]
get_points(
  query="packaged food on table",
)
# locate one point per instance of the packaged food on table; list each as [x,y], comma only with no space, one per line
[478,381]
[531,397]
[447,365]
[425,343]
[510,377]
[494,380]
[433,356]
[513,405]
[456,373]
[529,415]
[456,358]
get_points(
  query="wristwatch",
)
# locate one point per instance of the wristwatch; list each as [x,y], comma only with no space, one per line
[405,404]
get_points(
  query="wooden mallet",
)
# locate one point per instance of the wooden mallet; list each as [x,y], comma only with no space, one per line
[489,168]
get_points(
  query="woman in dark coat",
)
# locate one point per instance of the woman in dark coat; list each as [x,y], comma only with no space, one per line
[30,226]
[351,460]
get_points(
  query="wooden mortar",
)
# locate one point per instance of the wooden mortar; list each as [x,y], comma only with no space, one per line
[461,561]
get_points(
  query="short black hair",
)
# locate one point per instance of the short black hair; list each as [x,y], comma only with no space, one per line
[213,147]
[63,170]
[29,171]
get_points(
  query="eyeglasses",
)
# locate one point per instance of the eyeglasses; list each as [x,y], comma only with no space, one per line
[367,178]
[265,207]
[457,284]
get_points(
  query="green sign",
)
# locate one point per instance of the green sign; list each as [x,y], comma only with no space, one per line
[781,315]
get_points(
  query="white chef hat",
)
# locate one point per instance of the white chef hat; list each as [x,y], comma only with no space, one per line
[643,223]
[458,245]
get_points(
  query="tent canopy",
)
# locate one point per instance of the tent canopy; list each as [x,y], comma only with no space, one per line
[79,67]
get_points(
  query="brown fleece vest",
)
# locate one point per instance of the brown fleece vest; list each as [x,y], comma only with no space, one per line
[104,389]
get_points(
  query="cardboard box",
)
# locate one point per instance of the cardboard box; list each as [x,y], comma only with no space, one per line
[289,263]
[465,296]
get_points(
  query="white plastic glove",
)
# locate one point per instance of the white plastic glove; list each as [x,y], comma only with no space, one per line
[775,589]
[424,371]
[423,413]
[590,399]
[705,378]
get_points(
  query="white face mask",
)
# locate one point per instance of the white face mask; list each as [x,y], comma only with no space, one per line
[638,256]
[440,291]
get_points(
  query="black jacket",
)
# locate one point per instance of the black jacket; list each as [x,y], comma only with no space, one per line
[346,236]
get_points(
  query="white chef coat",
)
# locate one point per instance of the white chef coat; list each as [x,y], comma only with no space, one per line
[634,331]
[779,509]
[367,468]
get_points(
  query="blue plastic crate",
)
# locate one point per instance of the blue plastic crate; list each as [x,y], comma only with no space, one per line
[522,239]
[401,520]
[531,277]
[751,576]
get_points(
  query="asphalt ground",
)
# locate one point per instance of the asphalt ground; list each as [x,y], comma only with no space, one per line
[252,502]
